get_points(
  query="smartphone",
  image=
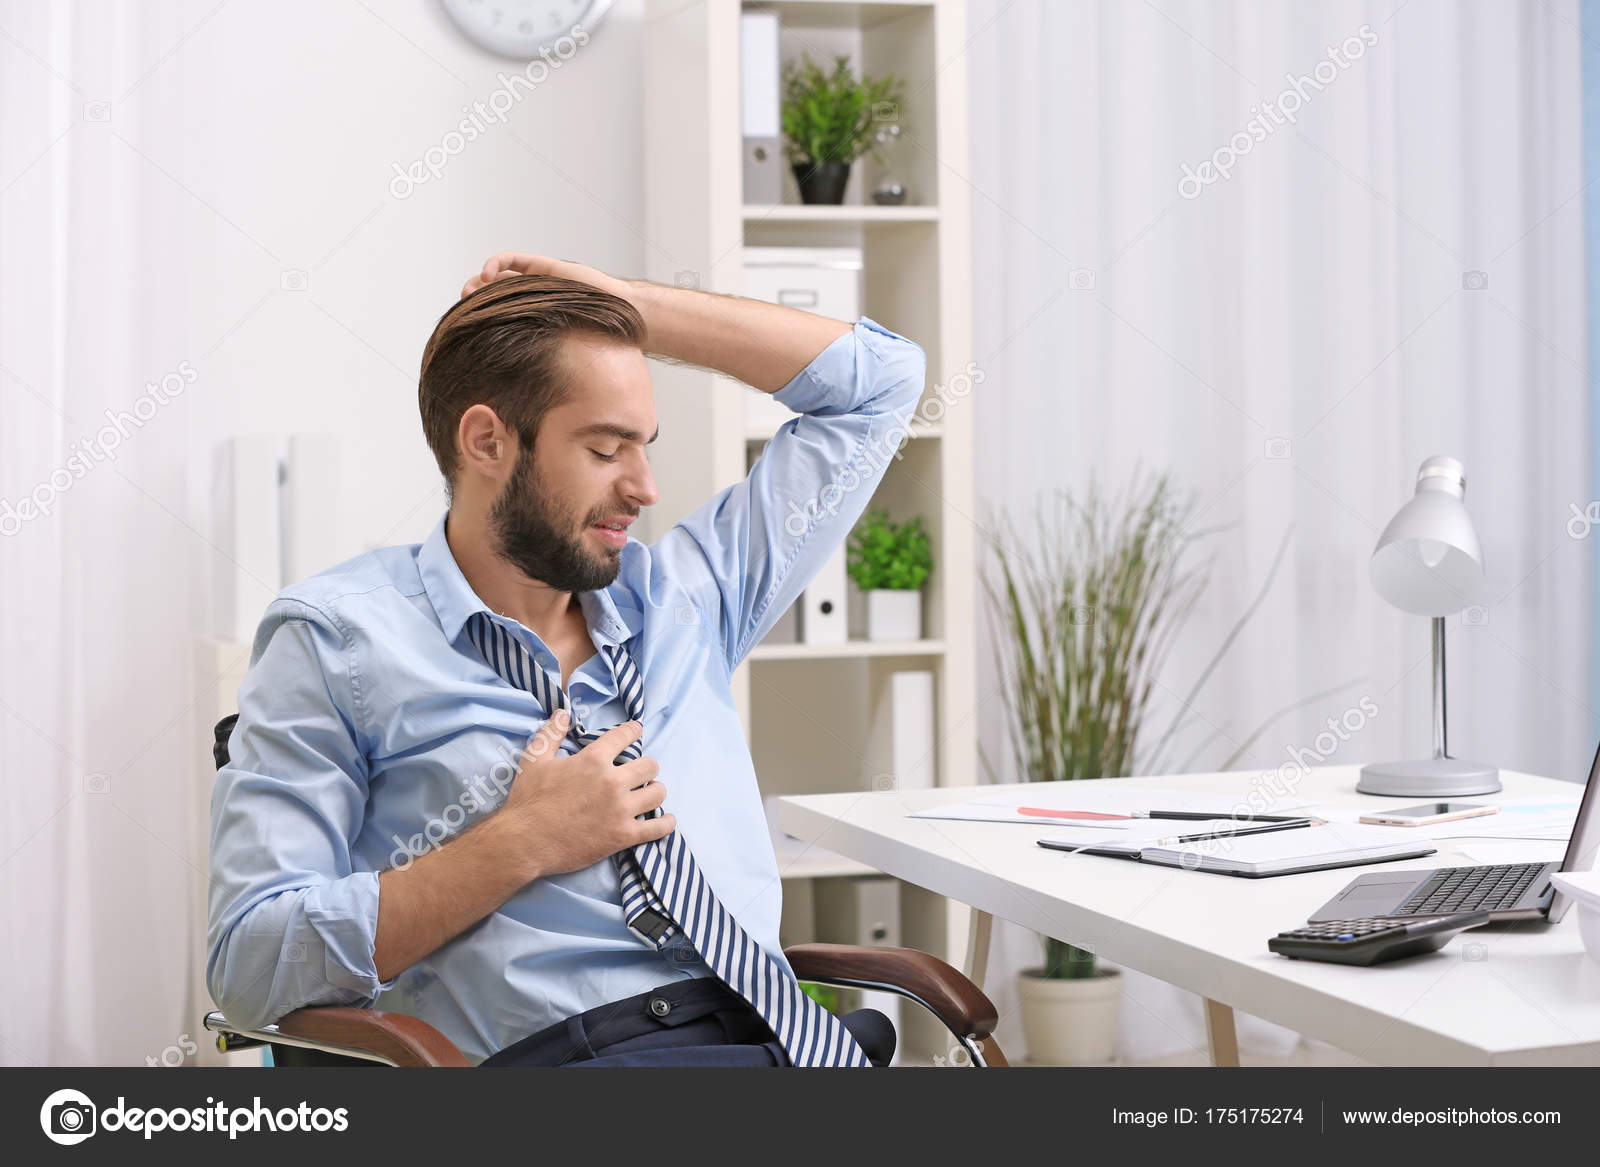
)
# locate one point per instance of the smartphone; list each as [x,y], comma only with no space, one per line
[1428,812]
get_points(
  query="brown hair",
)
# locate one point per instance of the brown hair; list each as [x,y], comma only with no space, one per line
[501,346]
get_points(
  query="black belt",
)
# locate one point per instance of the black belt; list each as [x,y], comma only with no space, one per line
[695,1011]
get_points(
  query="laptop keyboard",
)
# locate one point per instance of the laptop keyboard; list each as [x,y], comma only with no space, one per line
[1467,889]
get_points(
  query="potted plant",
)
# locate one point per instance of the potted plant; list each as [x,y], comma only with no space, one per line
[889,561]
[828,123]
[1088,605]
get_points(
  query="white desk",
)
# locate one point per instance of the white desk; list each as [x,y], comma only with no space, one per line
[1533,998]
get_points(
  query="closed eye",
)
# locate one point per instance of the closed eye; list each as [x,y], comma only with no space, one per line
[604,457]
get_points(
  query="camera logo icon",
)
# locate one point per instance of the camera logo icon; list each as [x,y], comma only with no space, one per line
[682,952]
[1474,281]
[68,1117]
[1081,279]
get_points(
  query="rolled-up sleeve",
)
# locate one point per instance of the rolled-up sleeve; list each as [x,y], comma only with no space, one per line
[747,553]
[291,923]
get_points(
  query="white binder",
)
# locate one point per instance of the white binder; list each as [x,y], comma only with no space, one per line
[822,604]
[911,738]
[312,534]
[249,572]
[759,82]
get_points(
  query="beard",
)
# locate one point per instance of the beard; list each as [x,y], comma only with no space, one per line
[544,540]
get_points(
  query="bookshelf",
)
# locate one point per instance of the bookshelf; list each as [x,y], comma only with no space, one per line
[806,707]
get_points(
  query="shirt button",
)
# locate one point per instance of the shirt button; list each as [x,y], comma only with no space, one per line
[660,1006]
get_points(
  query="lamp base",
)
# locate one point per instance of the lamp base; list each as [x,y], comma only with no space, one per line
[1429,778]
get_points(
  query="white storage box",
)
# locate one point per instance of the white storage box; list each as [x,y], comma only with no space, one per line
[824,280]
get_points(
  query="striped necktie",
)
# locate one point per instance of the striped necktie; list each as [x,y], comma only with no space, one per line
[664,894]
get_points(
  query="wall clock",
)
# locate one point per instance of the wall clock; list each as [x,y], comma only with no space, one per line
[518,28]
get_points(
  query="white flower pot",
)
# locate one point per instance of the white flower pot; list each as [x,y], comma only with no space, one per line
[894,614]
[1070,1022]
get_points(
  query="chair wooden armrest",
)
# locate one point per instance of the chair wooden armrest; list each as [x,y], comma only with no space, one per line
[396,1039]
[370,1034]
[944,991]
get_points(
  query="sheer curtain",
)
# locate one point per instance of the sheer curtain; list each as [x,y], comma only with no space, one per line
[100,847]
[1388,264]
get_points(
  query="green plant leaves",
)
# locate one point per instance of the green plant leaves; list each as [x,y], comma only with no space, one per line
[828,117]
[884,554]
[1088,606]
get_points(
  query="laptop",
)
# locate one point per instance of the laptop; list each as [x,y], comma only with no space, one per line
[1509,891]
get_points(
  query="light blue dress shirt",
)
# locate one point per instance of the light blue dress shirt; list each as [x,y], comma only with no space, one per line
[370,730]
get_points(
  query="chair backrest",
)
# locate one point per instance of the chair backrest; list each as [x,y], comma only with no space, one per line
[282,1055]
[219,743]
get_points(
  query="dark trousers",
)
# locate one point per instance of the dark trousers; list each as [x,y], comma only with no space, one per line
[699,1022]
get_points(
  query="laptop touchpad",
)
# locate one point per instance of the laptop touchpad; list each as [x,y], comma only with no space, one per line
[1365,897]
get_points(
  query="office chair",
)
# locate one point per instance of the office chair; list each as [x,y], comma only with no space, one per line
[347,1035]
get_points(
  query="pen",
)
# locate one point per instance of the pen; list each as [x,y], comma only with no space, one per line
[1195,815]
[1275,825]
[1198,814]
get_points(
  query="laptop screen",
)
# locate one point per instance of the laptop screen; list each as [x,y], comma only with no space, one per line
[1584,843]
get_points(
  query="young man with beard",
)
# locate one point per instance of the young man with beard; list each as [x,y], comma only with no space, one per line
[496,780]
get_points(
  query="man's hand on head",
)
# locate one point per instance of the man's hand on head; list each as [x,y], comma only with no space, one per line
[764,345]
[519,263]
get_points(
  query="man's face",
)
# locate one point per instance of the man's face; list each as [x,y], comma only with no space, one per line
[587,469]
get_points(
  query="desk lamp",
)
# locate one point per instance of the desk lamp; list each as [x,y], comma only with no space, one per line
[1428,561]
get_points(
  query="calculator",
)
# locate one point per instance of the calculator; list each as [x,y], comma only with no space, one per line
[1372,939]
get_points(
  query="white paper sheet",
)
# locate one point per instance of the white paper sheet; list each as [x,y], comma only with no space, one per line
[1091,796]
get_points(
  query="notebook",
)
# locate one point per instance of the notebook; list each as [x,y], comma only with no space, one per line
[1257,856]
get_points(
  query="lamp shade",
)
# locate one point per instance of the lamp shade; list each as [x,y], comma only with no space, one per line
[1428,560]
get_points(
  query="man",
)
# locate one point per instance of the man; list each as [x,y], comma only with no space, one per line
[437,800]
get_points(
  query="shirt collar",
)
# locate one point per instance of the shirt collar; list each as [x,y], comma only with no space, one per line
[612,613]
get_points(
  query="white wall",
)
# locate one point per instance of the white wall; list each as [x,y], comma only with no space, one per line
[294,147]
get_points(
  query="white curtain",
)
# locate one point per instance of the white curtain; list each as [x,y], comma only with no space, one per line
[100,846]
[1394,274]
